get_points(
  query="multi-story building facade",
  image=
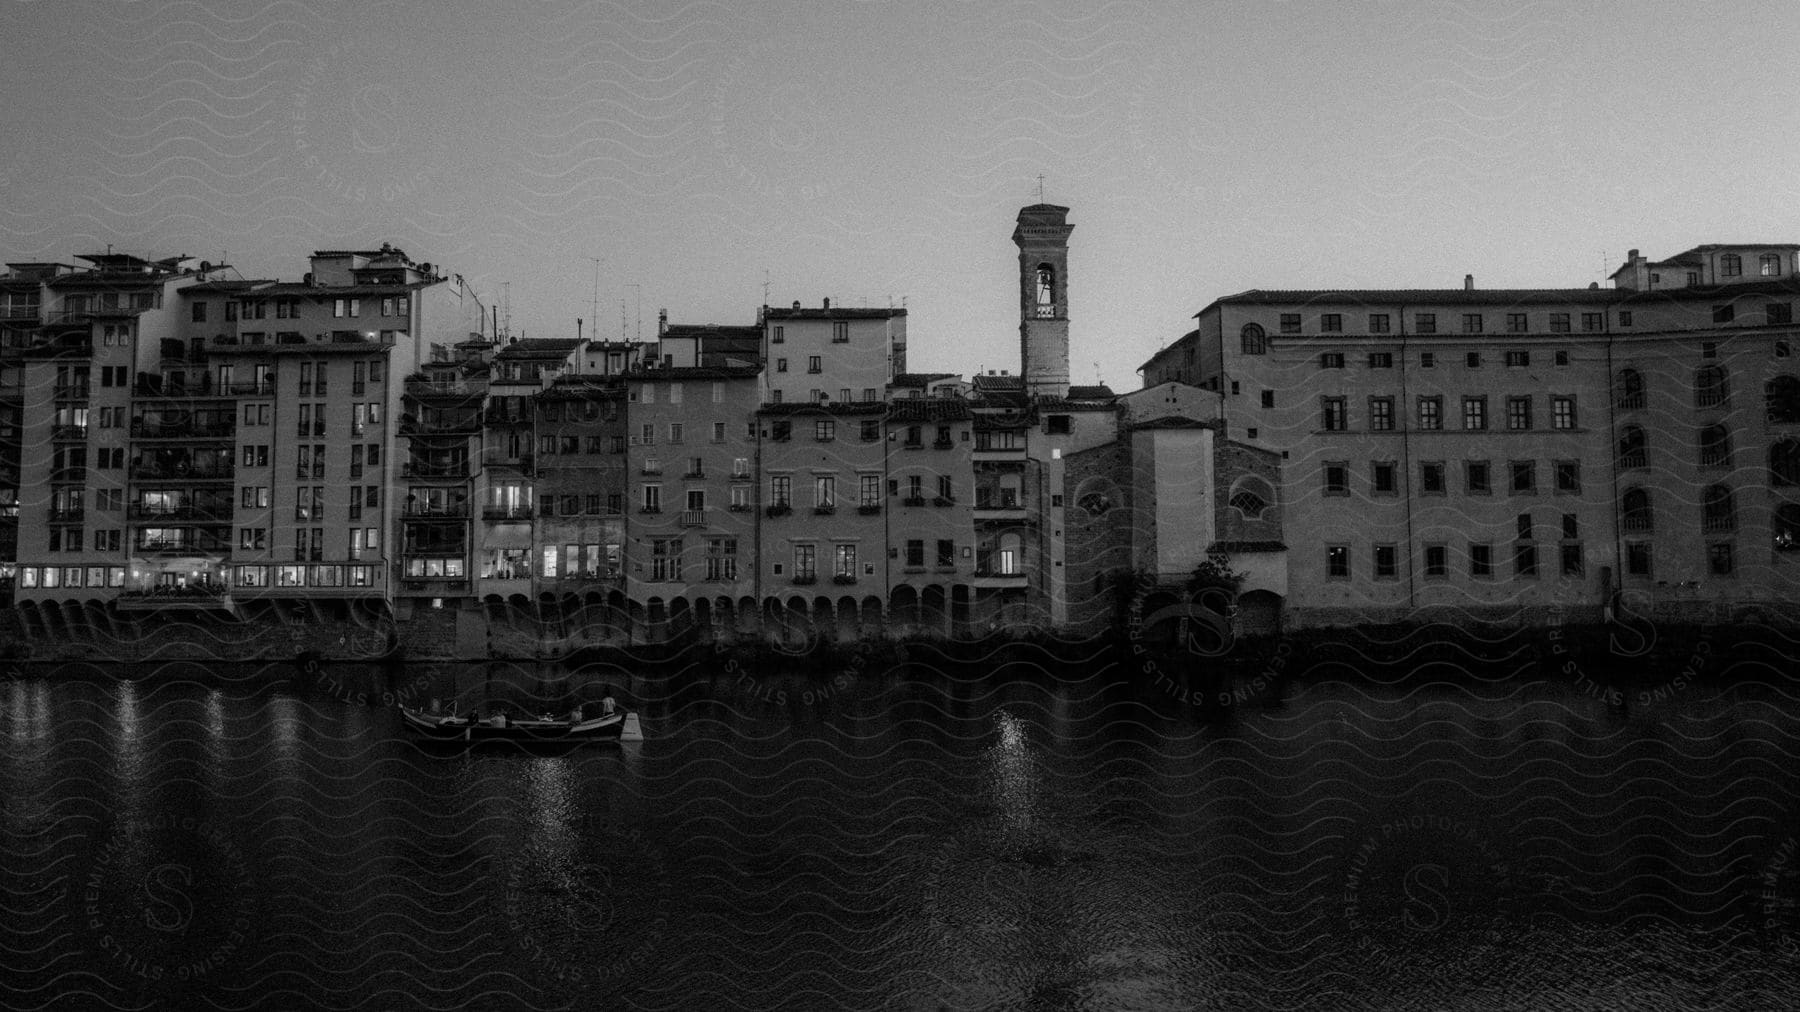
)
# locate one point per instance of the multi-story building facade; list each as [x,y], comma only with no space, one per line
[690,546]
[831,355]
[213,442]
[1517,452]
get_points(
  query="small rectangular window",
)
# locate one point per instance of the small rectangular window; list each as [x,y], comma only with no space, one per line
[1427,360]
[1381,414]
[1562,412]
[1378,323]
[1381,360]
[1437,561]
[1572,562]
[1593,322]
[1781,312]
[1290,323]
[1568,477]
[1518,359]
[1471,323]
[1431,413]
[1387,565]
[1425,323]
[1524,477]
[1332,416]
[1473,359]
[1516,323]
[1337,477]
[1331,360]
[1474,412]
[1637,558]
[1624,317]
[1724,313]
[1331,323]
[1571,526]
[1525,560]
[1382,477]
[1561,358]
[1268,398]
[1337,562]
[1481,560]
[1476,480]
[1559,323]
[1431,477]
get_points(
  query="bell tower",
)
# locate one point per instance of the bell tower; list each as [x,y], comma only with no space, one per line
[1042,236]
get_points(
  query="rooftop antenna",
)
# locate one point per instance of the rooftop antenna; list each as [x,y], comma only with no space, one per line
[506,305]
[1040,187]
[596,261]
[638,290]
[624,326]
[765,289]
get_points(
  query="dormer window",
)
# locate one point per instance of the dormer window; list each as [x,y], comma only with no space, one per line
[1731,265]
[1769,264]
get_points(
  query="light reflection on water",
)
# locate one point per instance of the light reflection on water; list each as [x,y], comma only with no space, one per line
[910,844]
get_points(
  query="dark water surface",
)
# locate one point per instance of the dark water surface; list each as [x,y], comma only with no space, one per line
[902,838]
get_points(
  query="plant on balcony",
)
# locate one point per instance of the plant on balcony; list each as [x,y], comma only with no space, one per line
[843,579]
[869,509]
[943,501]
[780,509]
[806,579]
[913,500]
[942,444]
[824,511]
[738,507]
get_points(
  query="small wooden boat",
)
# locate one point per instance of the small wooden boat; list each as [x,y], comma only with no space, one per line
[616,726]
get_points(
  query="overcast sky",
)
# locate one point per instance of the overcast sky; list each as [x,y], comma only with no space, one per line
[868,151]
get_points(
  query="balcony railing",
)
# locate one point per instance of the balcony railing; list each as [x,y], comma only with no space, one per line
[942,444]
[913,500]
[181,471]
[70,392]
[1638,522]
[1005,500]
[431,388]
[416,511]
[253,388]
[695,475]
[693,518]
[67,516]
[155,546]
[215,513]
[806,579]
[869,509]
[506,513]
[68,432]
[71,473]
[457,469]
[779,509]
[141,429]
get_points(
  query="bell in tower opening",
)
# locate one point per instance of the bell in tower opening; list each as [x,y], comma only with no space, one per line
[1046,287]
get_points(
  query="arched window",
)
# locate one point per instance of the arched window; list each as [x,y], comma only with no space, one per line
[1631,448]
[1635,507]
[1710,386]
[1253,341]
[1716,508]
[1631,390]
[1731,265]
[1770,264]
[1046,285]
[1781,396]
[1715,446]
[1251,496]
[1787,527]
[1784,463]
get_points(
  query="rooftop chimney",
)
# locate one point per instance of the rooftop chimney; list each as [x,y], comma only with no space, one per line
[1632,255]
[1468,282]
[796,303]
[827,303]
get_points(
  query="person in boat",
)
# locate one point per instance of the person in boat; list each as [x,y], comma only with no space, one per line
[607,703]
[437,707]
[575,714]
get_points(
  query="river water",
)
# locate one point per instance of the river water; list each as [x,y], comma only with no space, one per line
[910,837]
